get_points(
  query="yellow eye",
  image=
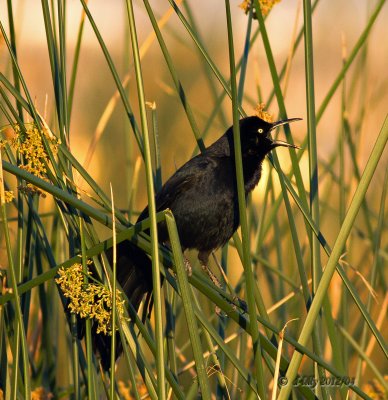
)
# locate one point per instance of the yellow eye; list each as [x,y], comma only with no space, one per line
[260,130]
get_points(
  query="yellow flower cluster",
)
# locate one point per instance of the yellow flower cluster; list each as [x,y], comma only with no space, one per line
[30,146]
[265,6]
[261,113]
[8,196]
[89,300]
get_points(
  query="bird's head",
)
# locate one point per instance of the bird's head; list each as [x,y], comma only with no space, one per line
[256,138]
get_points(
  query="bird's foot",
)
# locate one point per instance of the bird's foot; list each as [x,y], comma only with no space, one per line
[188,267]
[218,311]
[238,302]
[216,282]
[211,275]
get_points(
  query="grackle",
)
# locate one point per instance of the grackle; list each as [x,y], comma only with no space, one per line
[202,194]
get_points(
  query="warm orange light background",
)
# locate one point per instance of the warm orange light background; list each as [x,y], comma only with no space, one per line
[334,22]
[336,28]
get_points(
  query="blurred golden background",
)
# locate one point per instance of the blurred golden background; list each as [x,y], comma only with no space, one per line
[334,29]
[335,33]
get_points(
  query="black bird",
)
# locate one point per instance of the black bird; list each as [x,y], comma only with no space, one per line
[202,194]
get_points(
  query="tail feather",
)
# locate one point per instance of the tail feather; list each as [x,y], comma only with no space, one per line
[134,274]
[134,271]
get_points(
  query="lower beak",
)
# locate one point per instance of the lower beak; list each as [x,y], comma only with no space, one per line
[277,143]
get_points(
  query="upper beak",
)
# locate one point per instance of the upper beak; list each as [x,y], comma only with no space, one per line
[276,143]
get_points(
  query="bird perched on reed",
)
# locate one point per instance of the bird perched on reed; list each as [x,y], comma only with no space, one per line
[202,194]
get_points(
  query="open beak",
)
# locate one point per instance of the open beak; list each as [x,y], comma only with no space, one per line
[277,143]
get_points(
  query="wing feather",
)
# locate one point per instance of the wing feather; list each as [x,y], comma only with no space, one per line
[184,177]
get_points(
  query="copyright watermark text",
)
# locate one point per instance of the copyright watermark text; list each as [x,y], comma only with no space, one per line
[311,381]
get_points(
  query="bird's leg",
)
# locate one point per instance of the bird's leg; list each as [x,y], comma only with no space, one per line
[235,299]
[188,267]
[204,259]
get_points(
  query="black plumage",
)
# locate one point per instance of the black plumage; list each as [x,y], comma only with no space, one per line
[202,194]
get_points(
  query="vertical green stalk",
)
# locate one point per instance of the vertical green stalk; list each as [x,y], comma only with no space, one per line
[62,55]
[250,284]
[155,135]
[278,252]
[131,169]
[188,306]
[54,64]
[88,324]
[19,327]
[312,138]
[222,322]
[74,69]
[334,257]
[161,389]
[170,306]
[113,289]
[244,59]
[20,227]
[75,360]
[342,208]
[13,45]
[297,248]
[313,166]
[374,272]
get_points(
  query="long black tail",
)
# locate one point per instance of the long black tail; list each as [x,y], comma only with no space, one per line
[134,274]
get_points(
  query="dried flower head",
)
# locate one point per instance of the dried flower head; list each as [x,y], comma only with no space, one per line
[89,300]
[265,6]
[261,113]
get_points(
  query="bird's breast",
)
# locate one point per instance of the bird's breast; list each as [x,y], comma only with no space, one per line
[207,213]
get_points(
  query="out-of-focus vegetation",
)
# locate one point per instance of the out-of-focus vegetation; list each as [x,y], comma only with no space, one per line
[316,235]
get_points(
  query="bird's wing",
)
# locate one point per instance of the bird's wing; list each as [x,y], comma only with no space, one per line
[184,178]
